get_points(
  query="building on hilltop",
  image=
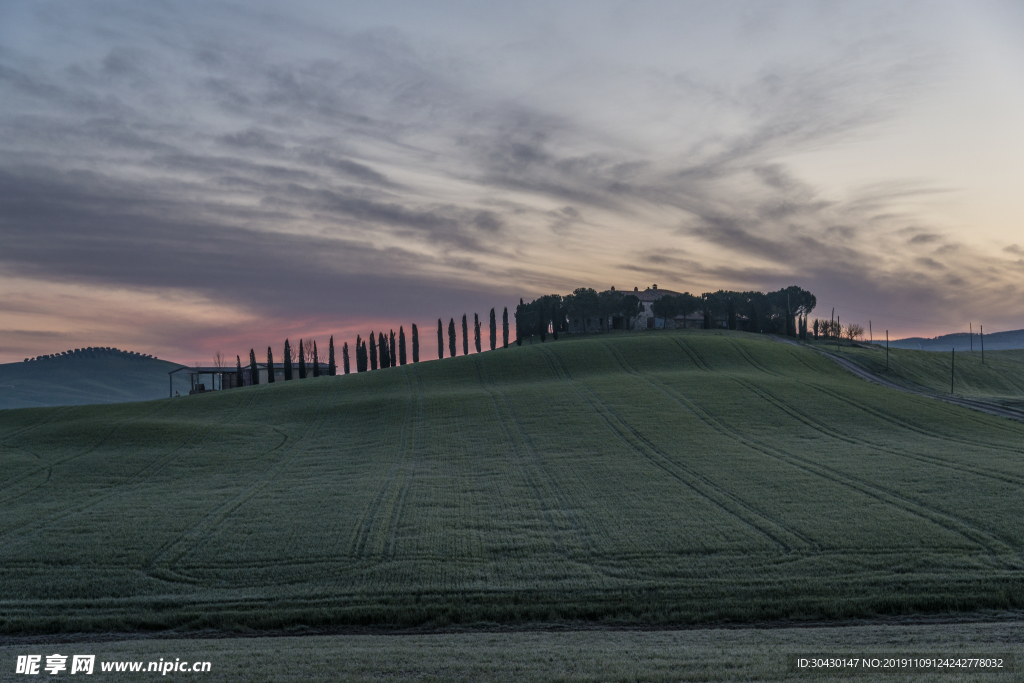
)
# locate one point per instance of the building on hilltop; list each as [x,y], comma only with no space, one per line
[647,319]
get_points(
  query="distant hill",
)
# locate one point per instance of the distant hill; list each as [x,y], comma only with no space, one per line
[81,376]
[997,341]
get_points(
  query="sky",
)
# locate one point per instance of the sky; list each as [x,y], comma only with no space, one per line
[181,178]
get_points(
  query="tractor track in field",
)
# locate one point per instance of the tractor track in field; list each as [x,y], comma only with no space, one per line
[162,564]
[509,422]
[809,543]
[91,447]
[714,494]
[890,419]
[1004,478]
[367,524]
[691,353]
[910,427]
[997,548]
[504,416]
[54,413]
[973,404]
[411,469]
[819,426]
[792,346]
[158,463]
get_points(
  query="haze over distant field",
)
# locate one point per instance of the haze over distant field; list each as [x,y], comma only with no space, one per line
[184,177]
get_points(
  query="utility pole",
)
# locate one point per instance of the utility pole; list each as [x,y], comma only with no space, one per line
[952,369]
[887,350]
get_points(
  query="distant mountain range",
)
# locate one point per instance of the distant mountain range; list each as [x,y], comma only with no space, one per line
[80,376]
[962,341]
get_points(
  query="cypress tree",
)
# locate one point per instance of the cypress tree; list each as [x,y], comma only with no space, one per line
[504,329]
[440,339]
[382,349]
[270,365]
[360,358]
[344,356]
[316,361]
[302,361]
[254,371]
[287,360]
[373,351]
[332,367]
[465,336]
[494,331]
[520,324]
[476,332]
[451,338]
[415,344]
[393,350]
[521,327]
[401,345]
[239,380]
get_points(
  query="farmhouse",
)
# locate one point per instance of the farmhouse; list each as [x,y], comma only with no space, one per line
[647,319]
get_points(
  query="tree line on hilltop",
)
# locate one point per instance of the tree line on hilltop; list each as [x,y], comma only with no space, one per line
[781,312]
[377,351]
[555,311]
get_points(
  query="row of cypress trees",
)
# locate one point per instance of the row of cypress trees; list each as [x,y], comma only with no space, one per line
[313,370]
[477,342]
[384,350]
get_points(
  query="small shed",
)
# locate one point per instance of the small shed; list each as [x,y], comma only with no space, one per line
[203,378]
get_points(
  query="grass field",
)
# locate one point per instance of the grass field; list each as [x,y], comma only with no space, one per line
[747,654]
[999,379]
[624,479]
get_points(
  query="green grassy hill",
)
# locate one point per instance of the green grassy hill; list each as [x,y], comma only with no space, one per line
[85,376]
[637,478]
[999,379]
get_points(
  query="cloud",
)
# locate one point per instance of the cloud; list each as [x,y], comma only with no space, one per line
[79,227]
[294,167]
